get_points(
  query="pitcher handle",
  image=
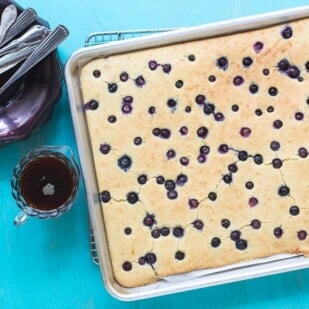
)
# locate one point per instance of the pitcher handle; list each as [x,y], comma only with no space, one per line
[21,218]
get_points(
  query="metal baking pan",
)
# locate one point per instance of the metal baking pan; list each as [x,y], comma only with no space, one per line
[72,74]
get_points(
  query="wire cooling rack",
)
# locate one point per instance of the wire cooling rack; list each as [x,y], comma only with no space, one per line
[98,38]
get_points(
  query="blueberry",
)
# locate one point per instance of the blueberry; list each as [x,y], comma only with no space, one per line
[204,150]
[141,261]
[283,65]
[165,231]
[188,109]
[191,57]
[193,203]
[170,185]
[201,158]
[151,110]
[142,179]
[247,61]
[278,232]
[227,178]
[256,224]
[277,124]
[172,194]
[258,159]
[242,155]
[165,133]
[155,233]
[249,185]
[198,224]
[183,130]
[294,210]
[299,116]
[300,79]
[225,223]
[152,64]
[215,242]
[179,255]
[302,235]
[258,112]
[219,116]
[287,32]
[167,68]
[253,88]
[160,180]
[92,105]
[181,179]
[212,78]
[171,103]
[258,46]
[126,108]
[112,87]
[270,109]
[96,73]
[223,148]
[125,162]
[235,235]
[171,154]
[127,99]
[307,66]
[127,266]
[266,72]
[124,76]
[179,84]
[303,152]
[253,201]
[232,168]
[200,99]
[137,140]
[241,244]
[222,63]
[276,163]
[150,258]
[202,132]
[178,231]
[149,220]
[284,190]
[212,196]
[235,108]
[273,91]
[238,80]
[140,81]
[105,196]
[245,132]
[112,119]
[184,161]
[156,132]
[105,148]
[132,197]
[293,71]
[128,231]
[208,108]
[274,145]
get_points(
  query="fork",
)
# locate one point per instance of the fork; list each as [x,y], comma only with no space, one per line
[42,50]
[25,18]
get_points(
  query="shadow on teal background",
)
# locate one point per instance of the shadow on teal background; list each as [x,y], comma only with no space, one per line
[46,264]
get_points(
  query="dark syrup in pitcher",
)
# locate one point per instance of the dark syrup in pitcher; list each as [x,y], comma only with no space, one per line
[46,183]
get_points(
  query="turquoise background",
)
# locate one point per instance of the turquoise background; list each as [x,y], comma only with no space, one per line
[46,264]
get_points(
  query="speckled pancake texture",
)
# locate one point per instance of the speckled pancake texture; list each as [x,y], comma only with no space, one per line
[201,151]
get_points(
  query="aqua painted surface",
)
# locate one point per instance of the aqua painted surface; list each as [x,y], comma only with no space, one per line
[46,264]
